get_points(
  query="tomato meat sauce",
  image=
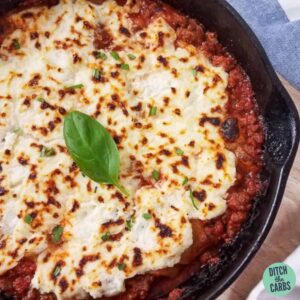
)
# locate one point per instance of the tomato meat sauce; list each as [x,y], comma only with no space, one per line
[242,131]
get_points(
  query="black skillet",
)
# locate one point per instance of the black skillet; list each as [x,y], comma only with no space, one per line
[282,137]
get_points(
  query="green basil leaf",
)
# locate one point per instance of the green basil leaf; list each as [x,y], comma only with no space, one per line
[75,86]
[56,271]
[47,152]
[156,175]
[121,266]
[93,149]
[115,55]
[131,56]
[101,55]
[185,181]
[152,111]
[105,237]
[147,216]
[96,73]
[179,151]
[40,99]
[16,44]
[28,219]
[125,67]
[129,223]
[193,199]
[56,234]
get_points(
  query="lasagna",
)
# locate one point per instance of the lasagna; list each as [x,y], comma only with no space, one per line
[183,116]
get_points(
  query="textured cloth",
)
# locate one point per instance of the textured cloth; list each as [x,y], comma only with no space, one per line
[277,25]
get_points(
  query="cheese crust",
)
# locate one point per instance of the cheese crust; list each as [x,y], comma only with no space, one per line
[106,237]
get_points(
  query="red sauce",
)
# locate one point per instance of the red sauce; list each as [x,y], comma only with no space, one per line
[243,135]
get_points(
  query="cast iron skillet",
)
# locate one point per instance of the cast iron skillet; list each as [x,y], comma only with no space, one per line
[282,137]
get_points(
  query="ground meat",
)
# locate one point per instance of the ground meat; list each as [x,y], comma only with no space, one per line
[30,3]
[175,294]
[17,281]
[136,288]
[187,30]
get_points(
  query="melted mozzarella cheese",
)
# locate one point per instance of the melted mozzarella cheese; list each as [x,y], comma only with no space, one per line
[107,237]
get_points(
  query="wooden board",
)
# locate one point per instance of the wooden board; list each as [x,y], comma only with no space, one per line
[286,226]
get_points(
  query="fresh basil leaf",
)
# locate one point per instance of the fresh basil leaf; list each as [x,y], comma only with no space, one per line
[56,271]
[57,234]
[129,223]
[156,175]
[125,67]
[40,99]
[101,55]
[105,237]
[47,152]
[75,86]
[131,56]
[121,266]
[115,55]
[185,181]
[147,216]
[179,151]
[93,149]
[96,73]
[16,44]
[193,199]
[28,219]
[152,111]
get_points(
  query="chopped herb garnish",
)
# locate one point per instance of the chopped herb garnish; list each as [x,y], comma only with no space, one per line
[101,55]
[105,237]
[194,72]
[152,111]
[76,86]
[193,199]
[115,55]
[131,56]
[185,181]
[129,223]
[47,152]
[156,175]
[125,67]
[95,189]
[179,151]
[56,234]
[57,271]
[121,266]
[40,99]
[96,73]
[147,216]
[16,44]
[28,219]
[18,130]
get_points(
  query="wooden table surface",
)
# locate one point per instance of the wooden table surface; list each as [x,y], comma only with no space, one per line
[287,225]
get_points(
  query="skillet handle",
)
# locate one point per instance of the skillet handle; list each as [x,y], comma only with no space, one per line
[281,121]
